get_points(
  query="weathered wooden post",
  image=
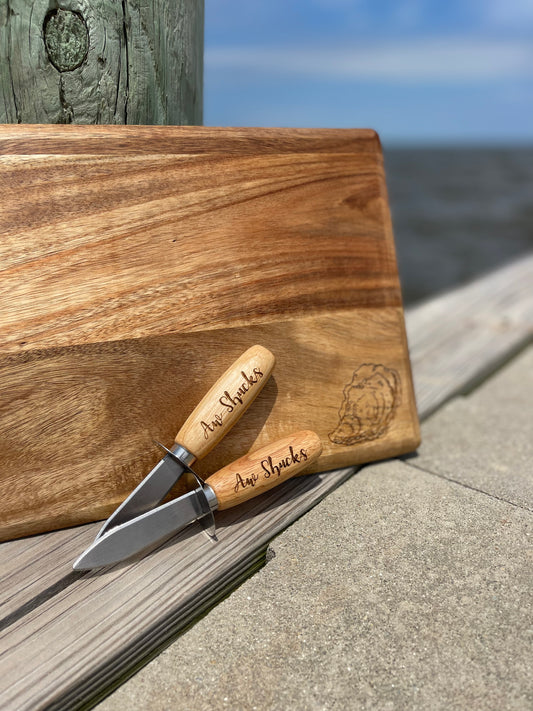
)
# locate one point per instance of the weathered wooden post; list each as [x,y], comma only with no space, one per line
[101,61]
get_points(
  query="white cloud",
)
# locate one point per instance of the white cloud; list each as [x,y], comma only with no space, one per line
[454,60]
[513,14]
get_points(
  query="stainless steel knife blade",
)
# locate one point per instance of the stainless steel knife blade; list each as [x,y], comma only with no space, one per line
[130,537]
[152,489]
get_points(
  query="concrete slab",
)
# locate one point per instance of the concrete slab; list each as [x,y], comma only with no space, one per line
[401,590]
[485,440]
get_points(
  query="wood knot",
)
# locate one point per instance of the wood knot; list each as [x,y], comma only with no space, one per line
[66,38]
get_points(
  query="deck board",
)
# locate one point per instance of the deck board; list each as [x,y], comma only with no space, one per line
[459,338]
[67,637]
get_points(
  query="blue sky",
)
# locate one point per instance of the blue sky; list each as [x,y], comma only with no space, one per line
[418,71]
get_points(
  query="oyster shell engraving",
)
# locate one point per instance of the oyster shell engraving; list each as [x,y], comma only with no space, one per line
[369,403]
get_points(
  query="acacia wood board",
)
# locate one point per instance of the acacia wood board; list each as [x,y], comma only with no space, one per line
[136,263]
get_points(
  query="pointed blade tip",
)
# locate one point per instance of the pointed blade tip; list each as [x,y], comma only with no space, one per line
[83,562]
[80,564]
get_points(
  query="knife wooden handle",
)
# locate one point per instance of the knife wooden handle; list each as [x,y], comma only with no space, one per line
[265,468]
[226,402]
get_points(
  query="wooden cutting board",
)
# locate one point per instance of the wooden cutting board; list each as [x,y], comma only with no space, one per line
[137,263]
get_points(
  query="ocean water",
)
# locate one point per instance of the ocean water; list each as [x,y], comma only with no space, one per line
[458,213]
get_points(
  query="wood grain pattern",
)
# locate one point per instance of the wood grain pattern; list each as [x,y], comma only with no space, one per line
[131,62]
[143,260]
[264,468]
[67,638]
[43,139]
[107,247]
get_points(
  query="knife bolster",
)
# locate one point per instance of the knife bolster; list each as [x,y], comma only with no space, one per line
[180,452]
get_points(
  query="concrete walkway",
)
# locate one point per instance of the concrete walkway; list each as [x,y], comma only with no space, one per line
[410,587]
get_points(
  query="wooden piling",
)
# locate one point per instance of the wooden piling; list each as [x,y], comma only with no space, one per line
[101,61]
